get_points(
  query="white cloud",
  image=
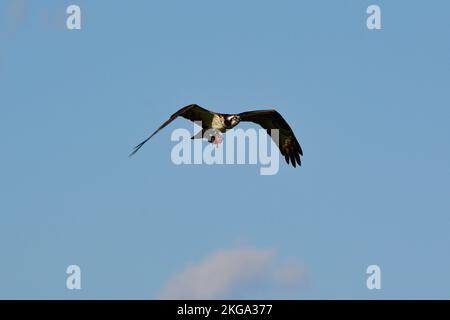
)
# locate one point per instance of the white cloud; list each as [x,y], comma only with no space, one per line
[290,274]
[226,271]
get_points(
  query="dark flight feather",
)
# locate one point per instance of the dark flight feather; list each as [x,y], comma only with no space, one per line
[191,112]
[271,119]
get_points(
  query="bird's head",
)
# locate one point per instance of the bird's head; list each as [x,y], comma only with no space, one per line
[233,120]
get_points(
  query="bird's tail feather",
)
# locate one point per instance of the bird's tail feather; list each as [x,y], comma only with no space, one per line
[198,135]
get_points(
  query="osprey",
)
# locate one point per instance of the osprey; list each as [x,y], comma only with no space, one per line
[220,122]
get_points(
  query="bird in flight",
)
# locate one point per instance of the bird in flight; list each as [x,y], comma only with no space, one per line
[220,122]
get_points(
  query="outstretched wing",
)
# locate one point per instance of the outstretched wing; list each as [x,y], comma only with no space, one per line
[271,119]
[191,112]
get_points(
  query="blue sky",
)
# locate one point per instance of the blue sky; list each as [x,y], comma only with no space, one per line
[371,110]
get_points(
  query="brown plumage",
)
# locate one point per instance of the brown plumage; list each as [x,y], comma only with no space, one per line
[268,119]
[287,142]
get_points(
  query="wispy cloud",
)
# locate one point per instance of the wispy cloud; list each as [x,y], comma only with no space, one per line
[226,271]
